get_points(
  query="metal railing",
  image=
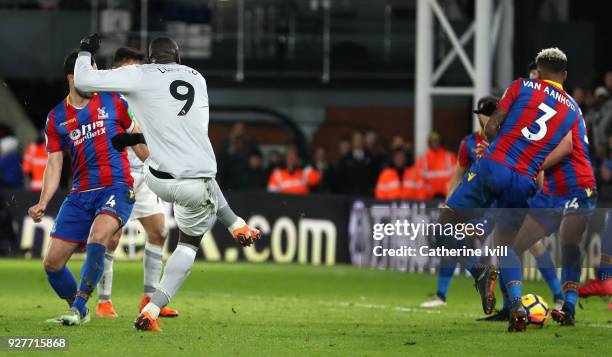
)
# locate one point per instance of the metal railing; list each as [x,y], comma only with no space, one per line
[319,40]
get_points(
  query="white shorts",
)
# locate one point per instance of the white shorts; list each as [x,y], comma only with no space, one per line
[147,203]
[194,201]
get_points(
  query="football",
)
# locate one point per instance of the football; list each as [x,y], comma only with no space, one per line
[537,310]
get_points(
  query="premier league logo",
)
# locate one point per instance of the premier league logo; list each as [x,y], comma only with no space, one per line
[75,134]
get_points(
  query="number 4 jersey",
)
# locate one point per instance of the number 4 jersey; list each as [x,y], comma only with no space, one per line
[540,114]
[86,134]
[170,102]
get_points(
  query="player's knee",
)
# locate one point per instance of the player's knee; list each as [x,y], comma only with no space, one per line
[51,264]
[157,237]
[113,243]
[100,236]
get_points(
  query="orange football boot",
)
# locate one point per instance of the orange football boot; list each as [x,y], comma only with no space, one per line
[105,309]
[163,312]
[144,322]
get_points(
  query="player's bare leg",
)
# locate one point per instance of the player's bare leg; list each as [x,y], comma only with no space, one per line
[154,225]
[572,228]
[105,305]
[102,230]
[59,276]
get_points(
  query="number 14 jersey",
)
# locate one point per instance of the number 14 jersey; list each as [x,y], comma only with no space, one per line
[540,114]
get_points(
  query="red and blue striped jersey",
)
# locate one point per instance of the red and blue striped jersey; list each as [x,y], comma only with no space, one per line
[539,115]
[575,171]
[467,148]
[86,134]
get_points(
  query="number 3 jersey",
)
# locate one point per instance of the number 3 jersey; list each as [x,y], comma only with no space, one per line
[86,134]
[539,115]
[170,102]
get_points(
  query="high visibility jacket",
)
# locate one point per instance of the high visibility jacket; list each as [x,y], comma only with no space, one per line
[34,163]
[437,169]
[298,181]
[415,186]
[389,184]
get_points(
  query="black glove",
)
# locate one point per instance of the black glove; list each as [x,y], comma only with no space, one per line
[90,43]
[123,140]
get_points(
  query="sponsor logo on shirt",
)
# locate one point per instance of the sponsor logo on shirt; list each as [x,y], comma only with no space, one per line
[87,131]
[69,121]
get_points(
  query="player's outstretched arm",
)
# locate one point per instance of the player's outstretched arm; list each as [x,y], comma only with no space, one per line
[240,231]
[51,180]
[87,79]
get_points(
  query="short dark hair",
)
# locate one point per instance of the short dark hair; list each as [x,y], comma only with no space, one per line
[127,54]
[552,60]
[532,66]
[70,60]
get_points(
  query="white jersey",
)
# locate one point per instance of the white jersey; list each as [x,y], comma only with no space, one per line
[171,104]
[136,164]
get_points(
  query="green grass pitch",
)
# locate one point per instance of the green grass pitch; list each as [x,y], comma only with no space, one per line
[266,309]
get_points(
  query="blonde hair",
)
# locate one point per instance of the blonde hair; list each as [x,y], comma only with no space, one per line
[552,59]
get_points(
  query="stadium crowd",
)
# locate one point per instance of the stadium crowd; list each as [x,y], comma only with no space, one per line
[366,166]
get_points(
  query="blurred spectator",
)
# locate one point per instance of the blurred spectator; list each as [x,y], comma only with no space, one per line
[34,163]
[377,150]
[608,81]
[257,175]
[598,119]
[432,173]
[324,169]
[10,162]
[438,166]
[274,160]
[234,158]
[344,146]
[355,170]
[580,96]
[398,142]
[292,178]
[390,183]
[9,244]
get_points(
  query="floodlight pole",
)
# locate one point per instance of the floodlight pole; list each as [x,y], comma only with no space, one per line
[144,24]
[424,70]
[482,53]
[485,32]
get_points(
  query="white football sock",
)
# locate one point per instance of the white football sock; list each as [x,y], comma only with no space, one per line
[152,267]
[105,286]
[178,268]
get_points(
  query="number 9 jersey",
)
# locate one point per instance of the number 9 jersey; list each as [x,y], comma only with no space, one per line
[539,115]
[171,104]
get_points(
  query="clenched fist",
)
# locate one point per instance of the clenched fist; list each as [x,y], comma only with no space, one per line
[37,212]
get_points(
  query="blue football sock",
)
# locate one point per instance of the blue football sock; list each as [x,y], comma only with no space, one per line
[570,275]
[445,275]
[605,266]
[91,273]
[510,269]
[64,283]
[470,262]
[549,273]
[504,290]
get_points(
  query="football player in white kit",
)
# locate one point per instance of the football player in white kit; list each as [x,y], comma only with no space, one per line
[149,211]
[171,103]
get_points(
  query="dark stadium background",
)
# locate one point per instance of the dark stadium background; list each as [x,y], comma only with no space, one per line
[293,73]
